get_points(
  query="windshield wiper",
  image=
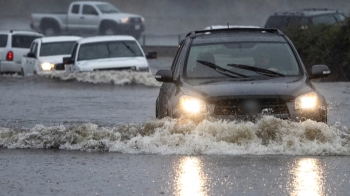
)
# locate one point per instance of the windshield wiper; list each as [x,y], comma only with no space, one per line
[227,80]
[257,70]
[130,49]
[221,70]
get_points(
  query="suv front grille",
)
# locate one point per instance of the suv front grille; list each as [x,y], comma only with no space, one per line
[271,106]
[135,20]
[59,66]
[116,69]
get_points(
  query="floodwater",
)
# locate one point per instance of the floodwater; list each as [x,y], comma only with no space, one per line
[96,134]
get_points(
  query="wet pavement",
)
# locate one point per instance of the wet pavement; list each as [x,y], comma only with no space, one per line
[57,172]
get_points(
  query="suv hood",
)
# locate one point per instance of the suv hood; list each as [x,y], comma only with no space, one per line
[283,87]
[124,62]
[119,16]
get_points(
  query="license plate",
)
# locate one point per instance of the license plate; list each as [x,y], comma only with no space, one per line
[137,27]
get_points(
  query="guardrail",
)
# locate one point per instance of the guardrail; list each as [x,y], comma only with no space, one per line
[161,40]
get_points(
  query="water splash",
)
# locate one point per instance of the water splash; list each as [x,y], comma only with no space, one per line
[107,77]
[169,136]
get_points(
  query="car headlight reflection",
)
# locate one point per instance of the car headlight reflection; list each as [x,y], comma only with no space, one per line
[47,66]
[192,105]
[306,101]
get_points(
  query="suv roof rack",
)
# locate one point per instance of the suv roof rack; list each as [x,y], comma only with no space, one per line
[318,9]
[262,30]
[301,12]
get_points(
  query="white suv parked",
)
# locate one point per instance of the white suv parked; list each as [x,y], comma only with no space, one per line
[13,45]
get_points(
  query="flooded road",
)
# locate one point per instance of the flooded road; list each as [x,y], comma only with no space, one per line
[96,134]
[57,172]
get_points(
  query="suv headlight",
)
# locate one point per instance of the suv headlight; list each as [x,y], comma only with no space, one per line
[192,104]
[47,66]
[124,20]
[306,101]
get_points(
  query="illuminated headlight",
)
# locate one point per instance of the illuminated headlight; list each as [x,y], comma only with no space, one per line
[306,101]
[47,66]
[192,105]
[124,20]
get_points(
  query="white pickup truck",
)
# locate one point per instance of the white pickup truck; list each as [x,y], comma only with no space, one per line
[89,17]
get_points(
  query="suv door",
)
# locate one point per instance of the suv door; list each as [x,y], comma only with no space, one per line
[90,18]
[74,18]
[167,89]
[28,63]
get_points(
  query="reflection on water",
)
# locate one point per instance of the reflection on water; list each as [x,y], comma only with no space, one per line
[190,179]
[308,178]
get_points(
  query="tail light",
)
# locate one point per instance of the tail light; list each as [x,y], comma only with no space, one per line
[9,56]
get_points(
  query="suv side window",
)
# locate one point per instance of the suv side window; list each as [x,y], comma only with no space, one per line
[74,52]
[173,65]
[75,9]
[278,22]
[293,21]
[32,47]
[23,41]
[323,19]
[89,10]
[304,21]
[3,40]
[340,17]
[35,48]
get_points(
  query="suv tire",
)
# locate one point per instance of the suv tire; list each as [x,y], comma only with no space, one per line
[50,29]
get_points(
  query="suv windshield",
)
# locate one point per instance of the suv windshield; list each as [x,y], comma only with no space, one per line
[3,41]
[107,8]
[103,50]
[56,48]
[244,59]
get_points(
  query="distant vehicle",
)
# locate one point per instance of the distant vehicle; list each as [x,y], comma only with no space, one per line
[229,26]
[103,53]
[46,54]
[239,74]
[89,17]
[13,45]
[304,18]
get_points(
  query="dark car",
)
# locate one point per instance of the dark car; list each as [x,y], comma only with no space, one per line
[240,73]
[304,18]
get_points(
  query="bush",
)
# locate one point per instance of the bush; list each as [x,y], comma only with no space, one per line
[324,44]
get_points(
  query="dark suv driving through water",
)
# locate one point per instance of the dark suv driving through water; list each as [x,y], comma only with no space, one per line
[240,74]
[305,18]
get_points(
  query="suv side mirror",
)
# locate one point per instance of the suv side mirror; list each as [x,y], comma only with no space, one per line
[31,55]
[164,75]
[68,60]
[320,71]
